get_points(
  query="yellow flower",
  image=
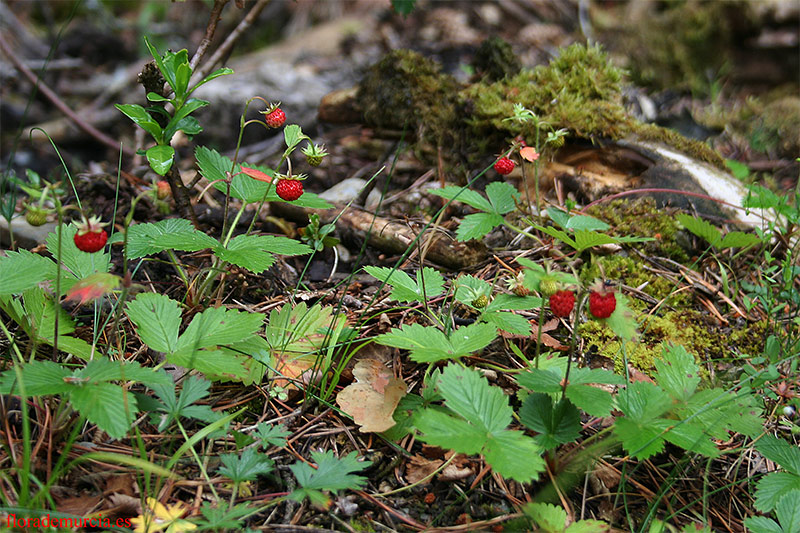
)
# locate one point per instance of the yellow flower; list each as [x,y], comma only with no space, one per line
[157,517]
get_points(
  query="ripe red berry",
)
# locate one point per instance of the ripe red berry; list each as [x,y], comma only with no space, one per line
[562,302]
[602,304]
[504,166]
[275,118]
[90,237]
[289,190]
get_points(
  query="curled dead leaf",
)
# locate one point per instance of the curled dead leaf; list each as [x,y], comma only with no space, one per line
[372,399]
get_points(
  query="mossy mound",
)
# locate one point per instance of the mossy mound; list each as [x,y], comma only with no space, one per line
[579,90]
[406,91]
[631,272]
[495,60]
[777,127]
[642,218]
[685,327]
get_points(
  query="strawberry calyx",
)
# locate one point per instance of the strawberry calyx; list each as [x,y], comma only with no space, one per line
[91,225]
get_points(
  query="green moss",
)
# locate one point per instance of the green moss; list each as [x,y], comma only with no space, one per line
[578,90]
[642,218]
[685,327]
[778,127]
[406,90]
[495,59]
[630,272]
[697,149]
[599,340]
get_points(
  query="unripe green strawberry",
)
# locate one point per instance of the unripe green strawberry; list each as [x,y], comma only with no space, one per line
[314,154]
[558,142]
[35,216]
[549,286]
[163,190]
[481,301]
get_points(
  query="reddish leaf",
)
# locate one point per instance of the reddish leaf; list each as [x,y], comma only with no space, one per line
[93,287]
[529,153]
[257,174]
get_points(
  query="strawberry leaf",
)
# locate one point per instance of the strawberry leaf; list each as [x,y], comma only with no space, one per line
[467,196]
[555,424]
[477,225]
[168,234]
[23,270]
[503,197]
[427,344]
[480,416]
[157,318]
[429,283]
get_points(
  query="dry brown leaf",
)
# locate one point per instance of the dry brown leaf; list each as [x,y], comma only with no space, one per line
[81,505]
[460,468]
[419,468]
[372,399]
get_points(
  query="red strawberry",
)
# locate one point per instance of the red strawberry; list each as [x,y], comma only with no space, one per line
[275,118]
[90,237]
[562,302]
[602,303]
[289,190]
[504,166]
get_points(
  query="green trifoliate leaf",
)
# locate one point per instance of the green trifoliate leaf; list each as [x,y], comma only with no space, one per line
[482,415]
[677,373]
[701,228]
[157,319]
[467,196]
[219,326]
[428,344]
[788,511]
[503,197]
[171,233]
[555,424]
[107,405]
[468,394]
[781,452]
[429,283]
[772,487]
[20,271]
[477,225]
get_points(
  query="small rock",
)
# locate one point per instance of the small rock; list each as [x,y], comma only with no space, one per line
[344,191]
[27,236]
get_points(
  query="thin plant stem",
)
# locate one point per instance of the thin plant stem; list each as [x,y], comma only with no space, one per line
[573,340]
